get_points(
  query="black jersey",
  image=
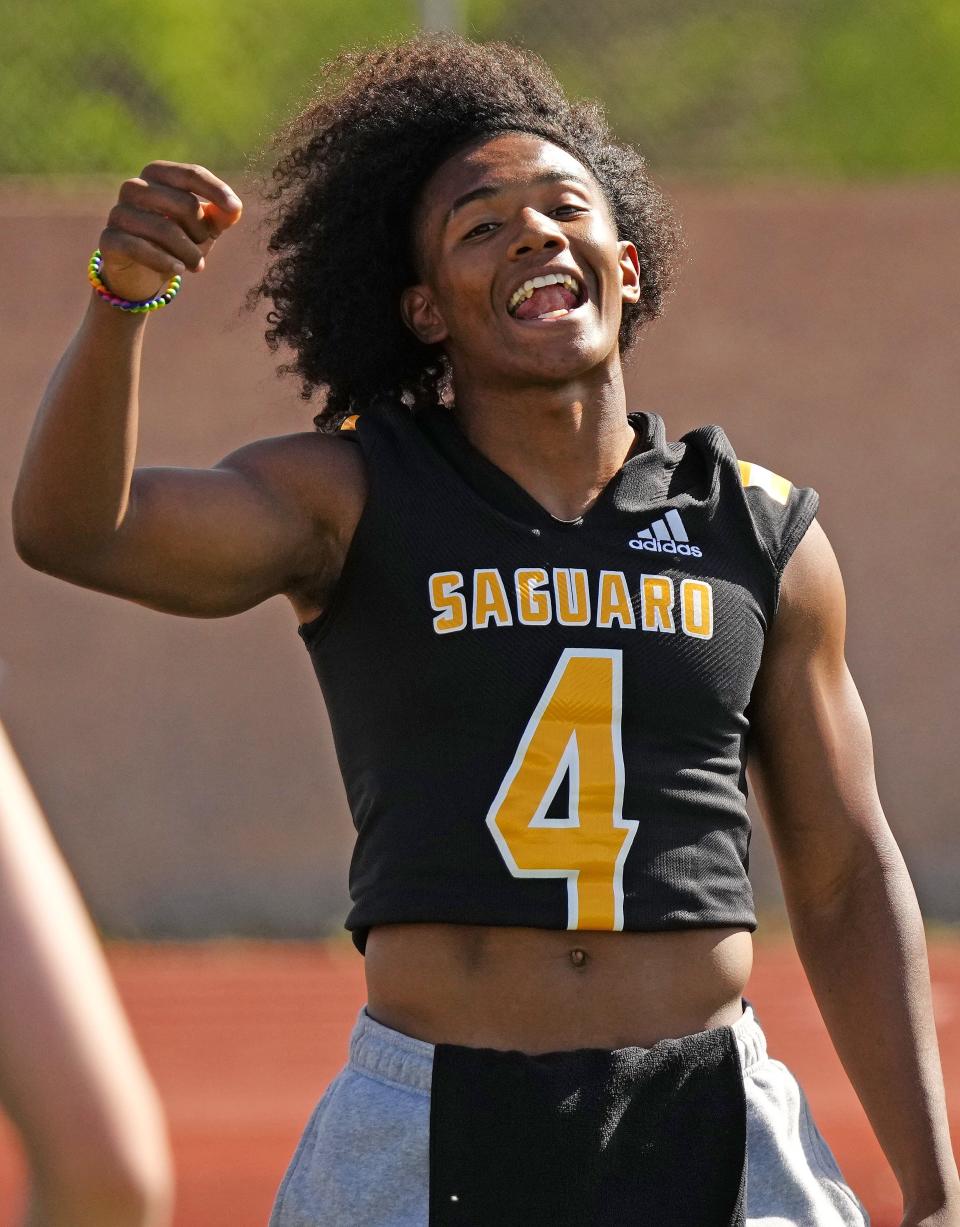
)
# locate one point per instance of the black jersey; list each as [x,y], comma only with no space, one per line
[540,722]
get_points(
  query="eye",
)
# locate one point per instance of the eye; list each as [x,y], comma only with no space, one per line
[478,229]
[568,210]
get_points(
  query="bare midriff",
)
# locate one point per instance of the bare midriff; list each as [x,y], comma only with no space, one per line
[546,990]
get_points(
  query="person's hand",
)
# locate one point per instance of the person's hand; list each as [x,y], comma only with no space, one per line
[163,223]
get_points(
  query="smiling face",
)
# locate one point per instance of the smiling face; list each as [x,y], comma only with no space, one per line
[522,277]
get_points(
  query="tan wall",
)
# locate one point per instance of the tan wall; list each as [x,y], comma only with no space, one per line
[186,765]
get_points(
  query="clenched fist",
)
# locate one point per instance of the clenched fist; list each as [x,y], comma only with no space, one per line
[164,222]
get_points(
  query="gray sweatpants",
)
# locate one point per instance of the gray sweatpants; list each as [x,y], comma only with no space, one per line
[363,1159]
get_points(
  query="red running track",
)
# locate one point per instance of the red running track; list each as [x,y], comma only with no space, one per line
[242,1038]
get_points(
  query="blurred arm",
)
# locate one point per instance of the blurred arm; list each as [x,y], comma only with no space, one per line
[852,907]
[71,1076]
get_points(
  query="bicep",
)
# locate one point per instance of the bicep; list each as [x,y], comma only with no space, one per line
[204,543]
[811,753]
[215,542]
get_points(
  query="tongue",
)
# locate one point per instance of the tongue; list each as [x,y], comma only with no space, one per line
[548,298]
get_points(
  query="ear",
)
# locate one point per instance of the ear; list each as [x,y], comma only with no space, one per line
[630,275]
[421,315]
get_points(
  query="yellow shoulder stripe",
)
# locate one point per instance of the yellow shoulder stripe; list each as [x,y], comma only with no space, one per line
[756,475]
[350,423]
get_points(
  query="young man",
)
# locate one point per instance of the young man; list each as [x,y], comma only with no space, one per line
[543,634]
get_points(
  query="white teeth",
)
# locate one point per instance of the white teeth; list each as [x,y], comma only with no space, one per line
[537,283]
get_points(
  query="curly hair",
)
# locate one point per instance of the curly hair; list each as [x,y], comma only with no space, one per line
[352,166]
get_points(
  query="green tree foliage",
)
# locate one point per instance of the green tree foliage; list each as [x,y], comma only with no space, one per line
[833,88]
[881,90]
[823,88]
[107,85]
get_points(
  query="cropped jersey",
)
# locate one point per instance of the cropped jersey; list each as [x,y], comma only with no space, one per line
[541,722]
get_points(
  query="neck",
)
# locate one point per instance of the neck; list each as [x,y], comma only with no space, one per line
[562,445]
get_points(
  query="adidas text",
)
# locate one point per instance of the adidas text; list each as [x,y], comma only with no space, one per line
[666,547]
[666,536]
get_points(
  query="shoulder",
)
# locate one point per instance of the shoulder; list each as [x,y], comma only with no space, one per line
[774,496]
[300,454]
[317,484]
[777,501]
[812,609]
[322,476]
[806,640]
[781,514]
[773,511]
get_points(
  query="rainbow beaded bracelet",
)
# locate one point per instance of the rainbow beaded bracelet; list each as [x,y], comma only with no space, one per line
[160,299]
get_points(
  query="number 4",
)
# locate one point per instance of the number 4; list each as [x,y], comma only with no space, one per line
[575,731]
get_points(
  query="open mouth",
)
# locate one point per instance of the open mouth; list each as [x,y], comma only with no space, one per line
[549,297]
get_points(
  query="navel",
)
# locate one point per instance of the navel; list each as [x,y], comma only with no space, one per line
[578,957]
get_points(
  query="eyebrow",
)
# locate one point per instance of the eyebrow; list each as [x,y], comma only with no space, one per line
[492,189]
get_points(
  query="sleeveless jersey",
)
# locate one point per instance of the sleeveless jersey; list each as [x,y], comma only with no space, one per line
[540,722]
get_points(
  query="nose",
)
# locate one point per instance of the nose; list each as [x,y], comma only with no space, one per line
[536,232]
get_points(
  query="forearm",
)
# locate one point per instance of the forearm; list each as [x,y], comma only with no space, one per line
[75,477]
[71,1076]
[865,955]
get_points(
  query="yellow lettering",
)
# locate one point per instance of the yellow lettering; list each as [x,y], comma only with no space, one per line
[696,608]
[656,603]
[533,605]
[490,599]
[450,606]
[614,600]
[573,597]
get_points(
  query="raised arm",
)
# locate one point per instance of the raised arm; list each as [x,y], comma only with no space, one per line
[274,516]
[852,907]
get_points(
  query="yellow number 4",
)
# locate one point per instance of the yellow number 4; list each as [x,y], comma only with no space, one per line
[575,731]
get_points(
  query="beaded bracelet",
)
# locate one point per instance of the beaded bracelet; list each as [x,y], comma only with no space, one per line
[160,299]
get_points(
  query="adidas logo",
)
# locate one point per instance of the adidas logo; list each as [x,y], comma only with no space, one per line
[666,536]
